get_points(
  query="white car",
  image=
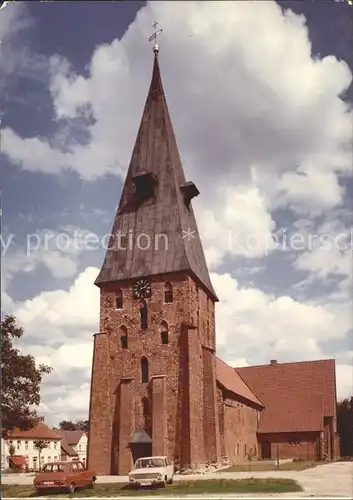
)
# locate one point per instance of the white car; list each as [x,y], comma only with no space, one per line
[150,471]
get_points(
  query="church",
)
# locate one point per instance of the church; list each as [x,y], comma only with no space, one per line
[157,386]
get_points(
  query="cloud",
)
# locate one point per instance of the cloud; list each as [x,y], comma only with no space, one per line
[57,251]
[62,316]
[65,402]
[328,250]
[14,19]
[276,321]
[344,373]
[16,58]
[34,152]
[75,403]
[226,232]
[65,392]
[247,107]
[59,327]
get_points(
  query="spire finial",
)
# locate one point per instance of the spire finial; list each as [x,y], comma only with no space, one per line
[154,37]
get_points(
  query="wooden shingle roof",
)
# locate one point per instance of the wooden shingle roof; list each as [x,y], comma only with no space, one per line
[164,217]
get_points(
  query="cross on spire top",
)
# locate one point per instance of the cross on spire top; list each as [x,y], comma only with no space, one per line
[154,36]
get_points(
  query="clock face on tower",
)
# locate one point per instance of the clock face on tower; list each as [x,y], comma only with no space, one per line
[142,289]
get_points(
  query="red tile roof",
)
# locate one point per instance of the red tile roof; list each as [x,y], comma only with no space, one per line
[41,431]
[231,380]
[297,396]
[67,449]
[71,437]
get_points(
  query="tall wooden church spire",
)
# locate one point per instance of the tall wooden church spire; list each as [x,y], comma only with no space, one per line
[154,230]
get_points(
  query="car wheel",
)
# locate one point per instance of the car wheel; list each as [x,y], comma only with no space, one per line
[71,488]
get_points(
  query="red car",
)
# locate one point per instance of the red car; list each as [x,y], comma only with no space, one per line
[63,476]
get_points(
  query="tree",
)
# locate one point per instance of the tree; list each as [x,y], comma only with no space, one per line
[79,425]
[67,425]
[20,381]
[345,426]
[40,445]
[83,425]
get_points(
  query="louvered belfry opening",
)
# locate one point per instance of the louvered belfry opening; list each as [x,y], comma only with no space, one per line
[145,184]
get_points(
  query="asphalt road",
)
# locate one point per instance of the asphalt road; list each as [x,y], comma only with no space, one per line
[329,480]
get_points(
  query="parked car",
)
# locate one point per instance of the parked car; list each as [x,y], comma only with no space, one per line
[63,476]
[150,471]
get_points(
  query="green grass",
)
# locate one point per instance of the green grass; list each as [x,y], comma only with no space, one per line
[199,487]
[270,466]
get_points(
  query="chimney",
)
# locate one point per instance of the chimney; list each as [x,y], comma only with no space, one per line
[273,362]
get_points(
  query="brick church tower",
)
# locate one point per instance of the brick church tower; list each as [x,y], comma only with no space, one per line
[153,388]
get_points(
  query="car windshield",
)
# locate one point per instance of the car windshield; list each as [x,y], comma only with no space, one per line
[143,463]
[53,468]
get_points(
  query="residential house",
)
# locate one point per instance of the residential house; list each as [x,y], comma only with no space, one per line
[26,455]
[73,445]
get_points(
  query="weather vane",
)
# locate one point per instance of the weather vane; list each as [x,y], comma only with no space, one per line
[154,37]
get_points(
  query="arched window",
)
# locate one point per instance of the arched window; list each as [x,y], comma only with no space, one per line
[143,314]
[168,292]
[119,300]
[164,332]
[123,337]
[144,370]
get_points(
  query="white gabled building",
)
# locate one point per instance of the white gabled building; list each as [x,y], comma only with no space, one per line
[74,445]
[26,455]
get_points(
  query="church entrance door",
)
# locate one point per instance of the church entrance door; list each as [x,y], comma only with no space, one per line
[140,444]
[141,450]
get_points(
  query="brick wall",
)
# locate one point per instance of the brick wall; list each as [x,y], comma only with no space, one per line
[159,415]
[190,322]
[210,410]
[195,434]
[124,423]
[303,445]
[100,435]
[180,451]
[221,421]
[202,312]
[238,427]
